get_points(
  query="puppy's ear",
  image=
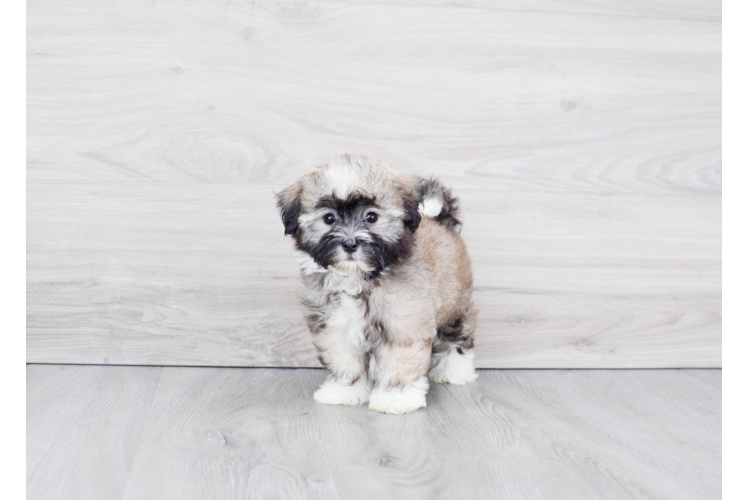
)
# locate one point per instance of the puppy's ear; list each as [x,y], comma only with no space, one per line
[412,217]
[289,204]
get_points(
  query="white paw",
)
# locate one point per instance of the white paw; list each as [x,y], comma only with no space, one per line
[454,368]
[400,401]
[334,392]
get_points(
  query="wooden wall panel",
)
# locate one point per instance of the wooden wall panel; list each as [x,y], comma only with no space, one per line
[584,141]
[185,274]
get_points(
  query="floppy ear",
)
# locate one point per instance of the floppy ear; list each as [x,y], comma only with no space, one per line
[289,204]
[412,217]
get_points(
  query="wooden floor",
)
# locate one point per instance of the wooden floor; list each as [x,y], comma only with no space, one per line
[157,432]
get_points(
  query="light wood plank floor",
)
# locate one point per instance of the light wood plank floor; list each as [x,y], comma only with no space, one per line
[158,432]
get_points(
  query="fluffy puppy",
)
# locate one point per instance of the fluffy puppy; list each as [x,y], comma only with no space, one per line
[388,282]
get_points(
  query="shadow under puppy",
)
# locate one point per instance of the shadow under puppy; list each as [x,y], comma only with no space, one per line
[388,282]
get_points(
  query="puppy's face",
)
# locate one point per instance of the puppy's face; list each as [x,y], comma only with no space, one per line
[352,215]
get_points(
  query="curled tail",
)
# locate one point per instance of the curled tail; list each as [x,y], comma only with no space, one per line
[436,202]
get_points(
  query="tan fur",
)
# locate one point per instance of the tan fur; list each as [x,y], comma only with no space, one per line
[447,257]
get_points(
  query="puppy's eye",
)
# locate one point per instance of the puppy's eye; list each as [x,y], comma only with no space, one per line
[371,217]
[329,219]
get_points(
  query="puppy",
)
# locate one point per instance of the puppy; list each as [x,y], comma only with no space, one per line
[388,282]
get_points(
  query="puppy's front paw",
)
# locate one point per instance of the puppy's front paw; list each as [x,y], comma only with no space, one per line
[398,401]
[335,392]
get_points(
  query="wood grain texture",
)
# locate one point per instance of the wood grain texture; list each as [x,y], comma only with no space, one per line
[543,97]
[583,138]
[202,275]
[256,433]
[83,428]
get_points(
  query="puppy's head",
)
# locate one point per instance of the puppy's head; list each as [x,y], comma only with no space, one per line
[353,215]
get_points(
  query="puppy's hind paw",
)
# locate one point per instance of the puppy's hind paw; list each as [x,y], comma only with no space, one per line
[335,392]
[454,368]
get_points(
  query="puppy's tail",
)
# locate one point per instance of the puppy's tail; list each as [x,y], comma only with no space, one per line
[436,202]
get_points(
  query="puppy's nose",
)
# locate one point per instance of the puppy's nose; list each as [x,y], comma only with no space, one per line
[350,245]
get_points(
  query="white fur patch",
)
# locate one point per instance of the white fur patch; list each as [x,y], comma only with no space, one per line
[349,317]
[454,368]
[309,218]
[399,401]
[343,179]
[351,285]
[307,264]
[431,207]
[334,392]
[351,268]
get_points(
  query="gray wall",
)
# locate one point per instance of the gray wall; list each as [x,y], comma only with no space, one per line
[584,139]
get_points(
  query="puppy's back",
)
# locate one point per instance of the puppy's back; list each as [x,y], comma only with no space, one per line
[444,253]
